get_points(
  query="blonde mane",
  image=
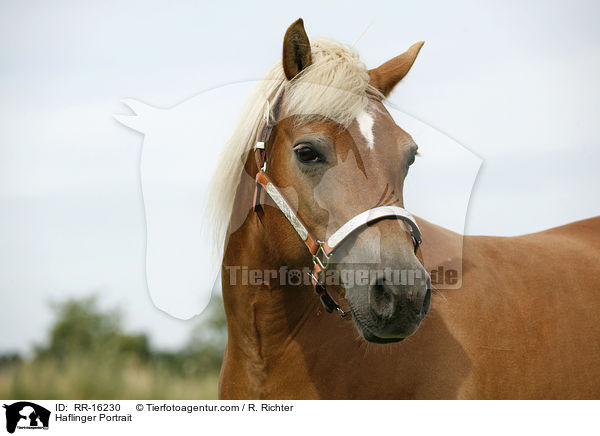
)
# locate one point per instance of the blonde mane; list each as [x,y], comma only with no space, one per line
[335,86]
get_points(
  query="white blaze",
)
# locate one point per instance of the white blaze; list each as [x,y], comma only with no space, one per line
[365,124]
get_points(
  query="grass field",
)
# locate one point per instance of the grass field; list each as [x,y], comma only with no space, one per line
[89,356]
[81,379]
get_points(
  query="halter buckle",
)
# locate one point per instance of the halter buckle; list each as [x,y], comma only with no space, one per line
[320,257]
[260,145]
[342,313]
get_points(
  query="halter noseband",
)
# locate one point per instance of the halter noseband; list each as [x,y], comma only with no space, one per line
[321,251]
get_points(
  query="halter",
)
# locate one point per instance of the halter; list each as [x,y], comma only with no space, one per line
[321,251]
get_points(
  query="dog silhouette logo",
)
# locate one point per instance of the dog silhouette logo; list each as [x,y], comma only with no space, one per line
[26,415]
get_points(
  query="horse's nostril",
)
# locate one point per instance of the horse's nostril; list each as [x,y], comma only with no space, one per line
[426,302]
[381,298]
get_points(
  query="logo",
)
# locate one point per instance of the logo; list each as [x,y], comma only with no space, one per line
[26,415]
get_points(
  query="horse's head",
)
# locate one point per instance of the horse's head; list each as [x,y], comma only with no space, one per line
[340,161]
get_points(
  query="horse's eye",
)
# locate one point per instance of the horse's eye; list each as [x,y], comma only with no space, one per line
[411,159]
[306,154]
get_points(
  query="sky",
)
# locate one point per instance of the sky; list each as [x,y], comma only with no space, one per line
[515,83]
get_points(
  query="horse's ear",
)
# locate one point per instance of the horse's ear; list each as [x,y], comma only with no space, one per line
[296,50]
[386,76]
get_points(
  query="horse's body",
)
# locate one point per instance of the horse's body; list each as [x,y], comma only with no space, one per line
[524,323]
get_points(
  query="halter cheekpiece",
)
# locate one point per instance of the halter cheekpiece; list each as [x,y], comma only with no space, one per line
[321,251]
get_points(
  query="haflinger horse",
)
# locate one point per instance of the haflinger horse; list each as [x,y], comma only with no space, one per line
[312,180]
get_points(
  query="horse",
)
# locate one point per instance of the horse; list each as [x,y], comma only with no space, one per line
[317,154]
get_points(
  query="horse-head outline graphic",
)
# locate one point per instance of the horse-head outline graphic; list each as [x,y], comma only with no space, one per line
[180,155]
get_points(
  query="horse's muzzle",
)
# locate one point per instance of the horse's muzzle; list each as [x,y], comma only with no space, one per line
[390,312]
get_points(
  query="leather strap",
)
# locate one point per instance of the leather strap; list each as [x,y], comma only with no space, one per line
[368,216]
[263,134]
[263,180]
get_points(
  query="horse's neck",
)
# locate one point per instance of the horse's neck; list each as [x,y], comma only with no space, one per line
[261,312]
[440,247]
